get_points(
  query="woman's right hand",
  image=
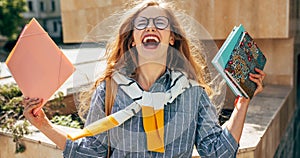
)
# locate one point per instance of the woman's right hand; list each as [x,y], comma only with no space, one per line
[40,119]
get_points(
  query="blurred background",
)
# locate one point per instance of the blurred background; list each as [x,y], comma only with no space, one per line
[274,25]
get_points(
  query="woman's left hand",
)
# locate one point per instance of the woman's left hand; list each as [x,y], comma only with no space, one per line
[258,79]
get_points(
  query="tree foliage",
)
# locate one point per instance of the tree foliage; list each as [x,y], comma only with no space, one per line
[11,18]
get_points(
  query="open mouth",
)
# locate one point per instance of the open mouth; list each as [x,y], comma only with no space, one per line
[151,41]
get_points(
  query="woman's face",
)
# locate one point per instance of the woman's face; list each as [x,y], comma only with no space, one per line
[152,40]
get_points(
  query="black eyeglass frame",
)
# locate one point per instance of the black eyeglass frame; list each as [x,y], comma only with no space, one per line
[153,21]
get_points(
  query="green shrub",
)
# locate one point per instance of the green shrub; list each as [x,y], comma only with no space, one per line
[13,121]
[66,121]
[11,114]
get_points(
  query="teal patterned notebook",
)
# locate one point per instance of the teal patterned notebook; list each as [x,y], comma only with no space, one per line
[238,57]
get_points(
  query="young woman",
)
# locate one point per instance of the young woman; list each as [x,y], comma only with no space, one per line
[151,62]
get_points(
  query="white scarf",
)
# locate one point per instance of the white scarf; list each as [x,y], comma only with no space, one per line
[152,105]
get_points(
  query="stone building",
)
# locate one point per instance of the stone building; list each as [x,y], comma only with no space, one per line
[47,12]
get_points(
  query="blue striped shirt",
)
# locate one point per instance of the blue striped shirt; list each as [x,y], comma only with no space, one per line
[189,120]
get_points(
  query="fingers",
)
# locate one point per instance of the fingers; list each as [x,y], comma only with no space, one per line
[30,104]
[262,73]
[258,82]
[258,79]
[256,76]
[39,120]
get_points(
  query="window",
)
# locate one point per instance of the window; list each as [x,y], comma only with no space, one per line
[54,26]
[30,7]
[53,6]
[42,7]
[297,9]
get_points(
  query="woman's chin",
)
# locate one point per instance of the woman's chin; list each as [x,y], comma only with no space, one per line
[152,53]
[151,45]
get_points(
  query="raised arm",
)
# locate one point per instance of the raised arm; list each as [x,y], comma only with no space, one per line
[236,122]
[41,122]
[211,140]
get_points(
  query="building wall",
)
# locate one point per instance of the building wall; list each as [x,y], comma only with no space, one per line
[34,148]
[48,13]
[264,19]
[290,143]
[80,17]
[268,22]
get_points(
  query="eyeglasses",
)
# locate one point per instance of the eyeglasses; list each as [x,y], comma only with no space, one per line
[160,22]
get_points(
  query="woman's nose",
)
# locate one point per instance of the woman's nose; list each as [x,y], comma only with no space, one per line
[151,26]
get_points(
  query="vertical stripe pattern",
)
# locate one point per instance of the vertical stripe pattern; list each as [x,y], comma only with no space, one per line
[189,120]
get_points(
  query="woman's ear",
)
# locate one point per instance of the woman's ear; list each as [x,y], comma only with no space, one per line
[133,44]
[171,40]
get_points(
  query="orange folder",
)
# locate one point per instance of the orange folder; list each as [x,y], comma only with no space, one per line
[38,66]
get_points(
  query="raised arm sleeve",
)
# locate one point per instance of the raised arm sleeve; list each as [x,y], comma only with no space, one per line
[94,146]
[211,139]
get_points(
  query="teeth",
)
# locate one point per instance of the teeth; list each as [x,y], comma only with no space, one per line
[150,38]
